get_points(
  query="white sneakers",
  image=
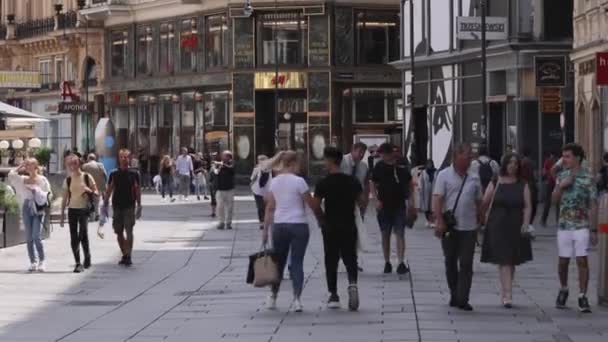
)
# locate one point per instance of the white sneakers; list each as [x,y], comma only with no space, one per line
[271,302]
[41,267]
[33,267]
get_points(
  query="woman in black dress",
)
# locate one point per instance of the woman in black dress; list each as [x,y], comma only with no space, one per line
[508,209]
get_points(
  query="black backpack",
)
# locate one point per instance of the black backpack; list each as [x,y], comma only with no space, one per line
[486,173]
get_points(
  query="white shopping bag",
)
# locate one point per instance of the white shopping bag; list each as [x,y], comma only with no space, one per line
[363,239]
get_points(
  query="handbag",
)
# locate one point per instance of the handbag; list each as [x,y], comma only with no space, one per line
[449,216]
[265,269]
[489,211]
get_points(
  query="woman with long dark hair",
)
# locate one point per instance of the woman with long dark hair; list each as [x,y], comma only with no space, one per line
[508,206]
[166,176]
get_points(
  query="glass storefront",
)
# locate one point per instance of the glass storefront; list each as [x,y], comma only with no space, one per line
[208,81]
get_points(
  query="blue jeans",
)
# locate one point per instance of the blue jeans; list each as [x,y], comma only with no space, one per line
[291,239]
[33,226]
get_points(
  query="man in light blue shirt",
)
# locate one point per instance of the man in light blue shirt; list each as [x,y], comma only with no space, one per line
[458,190]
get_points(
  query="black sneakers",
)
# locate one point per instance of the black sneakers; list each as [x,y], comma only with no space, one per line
[87,263]
[583,305]
[402,269]
[353,297]
[333,302]
[465,307]
[562,298]
[122,260]
[388,268]
[128,261]
[78,268]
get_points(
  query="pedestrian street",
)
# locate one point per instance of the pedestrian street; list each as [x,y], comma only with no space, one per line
[188,284]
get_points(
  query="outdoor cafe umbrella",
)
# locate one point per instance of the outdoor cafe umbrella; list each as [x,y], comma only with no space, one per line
[7,111]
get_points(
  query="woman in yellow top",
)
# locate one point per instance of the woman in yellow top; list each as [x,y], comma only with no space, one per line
[79,191]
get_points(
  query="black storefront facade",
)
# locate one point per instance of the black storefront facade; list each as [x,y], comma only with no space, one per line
[209,81]
[448,89]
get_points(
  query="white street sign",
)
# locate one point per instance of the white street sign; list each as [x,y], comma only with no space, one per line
[469,28]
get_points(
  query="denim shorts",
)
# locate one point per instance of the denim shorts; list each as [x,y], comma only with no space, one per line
[392,221]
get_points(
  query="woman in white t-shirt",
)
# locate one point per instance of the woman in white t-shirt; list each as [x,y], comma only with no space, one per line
[286,212]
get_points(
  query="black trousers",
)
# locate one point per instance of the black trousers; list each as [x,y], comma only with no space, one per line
[259,203]
[78,220]
[340,243]
[459,250]
[534,199]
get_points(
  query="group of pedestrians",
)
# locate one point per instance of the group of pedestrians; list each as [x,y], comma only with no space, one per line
[83,190]
[339,204]
[505,209]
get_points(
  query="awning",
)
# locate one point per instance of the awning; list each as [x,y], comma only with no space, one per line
[8,111]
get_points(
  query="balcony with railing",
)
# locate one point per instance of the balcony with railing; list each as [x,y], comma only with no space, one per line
[101,9]
[33,28]
[67,20]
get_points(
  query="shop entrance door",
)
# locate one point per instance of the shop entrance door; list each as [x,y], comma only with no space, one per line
[289,129]
[496,130]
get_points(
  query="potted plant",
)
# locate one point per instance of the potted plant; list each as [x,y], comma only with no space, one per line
[8,200]
[43,155]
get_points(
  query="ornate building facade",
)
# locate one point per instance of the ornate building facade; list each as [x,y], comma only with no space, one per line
[591,37]
[49,36]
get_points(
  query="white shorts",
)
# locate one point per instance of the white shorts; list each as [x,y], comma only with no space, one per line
[573,243]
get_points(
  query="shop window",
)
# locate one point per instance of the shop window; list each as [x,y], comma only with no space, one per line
[167,48]
[376,105]
[377,37]
[187,135]
[188,44]
[145,36]
[216,108]
[120,118]
[165,124]
[282,37]
[119,41]
[216,36]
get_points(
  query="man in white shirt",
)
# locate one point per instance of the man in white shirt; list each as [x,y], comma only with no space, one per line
[183,169]
[353,165]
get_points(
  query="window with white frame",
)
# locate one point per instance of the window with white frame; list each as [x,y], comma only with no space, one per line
[59,69]
[45,71]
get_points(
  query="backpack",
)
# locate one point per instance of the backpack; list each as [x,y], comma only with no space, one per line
[486,173]
[90,197]
[264,177]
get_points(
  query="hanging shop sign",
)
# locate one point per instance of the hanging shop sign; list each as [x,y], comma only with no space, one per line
[283,80]
[20,79]
[551,100]
[550,71]
[469,28]
[75,107]
[601,68]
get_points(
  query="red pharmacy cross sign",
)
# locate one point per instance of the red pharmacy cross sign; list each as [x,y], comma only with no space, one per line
[601,68]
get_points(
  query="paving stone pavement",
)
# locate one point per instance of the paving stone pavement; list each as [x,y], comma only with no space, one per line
[187,284]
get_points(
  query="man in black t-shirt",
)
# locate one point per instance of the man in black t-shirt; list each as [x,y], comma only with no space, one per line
[225,190]
[393,187]
[340,193]
[125,190]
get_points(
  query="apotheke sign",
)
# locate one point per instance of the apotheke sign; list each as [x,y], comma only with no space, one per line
[75,107]
[469,28]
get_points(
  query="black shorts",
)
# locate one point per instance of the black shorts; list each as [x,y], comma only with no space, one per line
[123,220]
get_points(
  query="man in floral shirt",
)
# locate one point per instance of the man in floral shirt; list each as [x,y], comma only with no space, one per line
[576,194]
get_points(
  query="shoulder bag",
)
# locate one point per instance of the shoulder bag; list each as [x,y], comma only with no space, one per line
[449,216]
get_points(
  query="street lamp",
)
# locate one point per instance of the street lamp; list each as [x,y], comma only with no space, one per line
[81,4]
[411,98]
[248,9]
